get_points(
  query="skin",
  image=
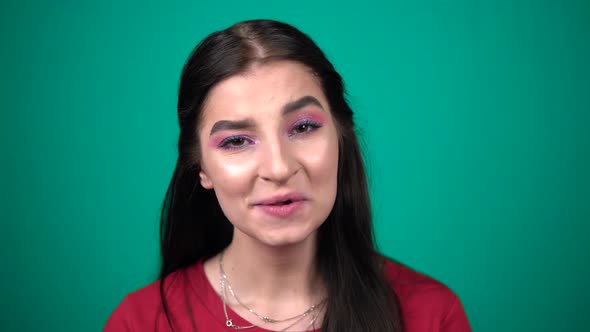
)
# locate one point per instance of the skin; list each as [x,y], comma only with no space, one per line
[270,262]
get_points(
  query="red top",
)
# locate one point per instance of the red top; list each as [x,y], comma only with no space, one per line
[427,305]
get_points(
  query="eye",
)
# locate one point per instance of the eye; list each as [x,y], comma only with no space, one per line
[235,142]
[304,127]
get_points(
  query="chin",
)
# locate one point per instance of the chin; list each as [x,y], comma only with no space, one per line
[286,239]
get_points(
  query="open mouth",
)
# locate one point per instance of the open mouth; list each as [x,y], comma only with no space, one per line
[282,209]
[282,203]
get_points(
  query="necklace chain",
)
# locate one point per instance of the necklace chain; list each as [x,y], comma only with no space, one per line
[229,323]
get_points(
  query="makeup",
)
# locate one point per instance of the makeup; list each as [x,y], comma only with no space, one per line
[306,122]
[230,142]
[270,152]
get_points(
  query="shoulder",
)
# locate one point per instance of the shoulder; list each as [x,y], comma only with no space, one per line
[409,283]
[425,301]
[143,307]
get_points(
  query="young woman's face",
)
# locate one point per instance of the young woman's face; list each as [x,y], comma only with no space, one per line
[270,152]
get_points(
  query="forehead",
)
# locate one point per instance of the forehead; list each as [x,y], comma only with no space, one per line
[262,90]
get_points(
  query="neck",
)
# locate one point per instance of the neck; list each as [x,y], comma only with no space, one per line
[268,272]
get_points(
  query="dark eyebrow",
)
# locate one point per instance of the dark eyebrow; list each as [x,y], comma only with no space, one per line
[231,125]
[301,103]
[249,124]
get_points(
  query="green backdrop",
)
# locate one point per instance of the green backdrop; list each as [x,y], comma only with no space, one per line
[474,116]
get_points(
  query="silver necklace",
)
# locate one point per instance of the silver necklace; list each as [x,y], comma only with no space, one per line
[229,323]
[298,320]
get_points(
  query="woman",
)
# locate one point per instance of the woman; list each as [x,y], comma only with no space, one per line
[266,224]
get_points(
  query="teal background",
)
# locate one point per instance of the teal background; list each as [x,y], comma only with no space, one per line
[474,114]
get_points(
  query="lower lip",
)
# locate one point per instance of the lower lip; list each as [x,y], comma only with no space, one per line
[281,211]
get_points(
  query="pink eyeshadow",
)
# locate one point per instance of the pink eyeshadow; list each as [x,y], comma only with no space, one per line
[216,140]
[311,115]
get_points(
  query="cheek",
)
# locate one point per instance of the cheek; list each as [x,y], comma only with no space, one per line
[232,184]
[230,177]
[322,163]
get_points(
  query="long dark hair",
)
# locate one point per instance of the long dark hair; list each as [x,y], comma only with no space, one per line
[193,226]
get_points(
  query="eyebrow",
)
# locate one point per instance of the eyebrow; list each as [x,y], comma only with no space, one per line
[301,103]
[231,125]
[249,123]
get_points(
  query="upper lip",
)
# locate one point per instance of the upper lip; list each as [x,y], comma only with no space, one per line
[292,196]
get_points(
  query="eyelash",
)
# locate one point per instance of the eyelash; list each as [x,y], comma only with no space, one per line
[227,142]
[312,125]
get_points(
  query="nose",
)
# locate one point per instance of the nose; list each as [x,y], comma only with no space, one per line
[277,163]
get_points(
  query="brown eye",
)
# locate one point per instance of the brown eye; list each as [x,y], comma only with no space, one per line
[235,142]
[302,128]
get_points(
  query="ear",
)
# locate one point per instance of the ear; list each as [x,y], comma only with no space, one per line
[205,180]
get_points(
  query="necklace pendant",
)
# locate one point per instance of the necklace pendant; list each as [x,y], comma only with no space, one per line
[229,323]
